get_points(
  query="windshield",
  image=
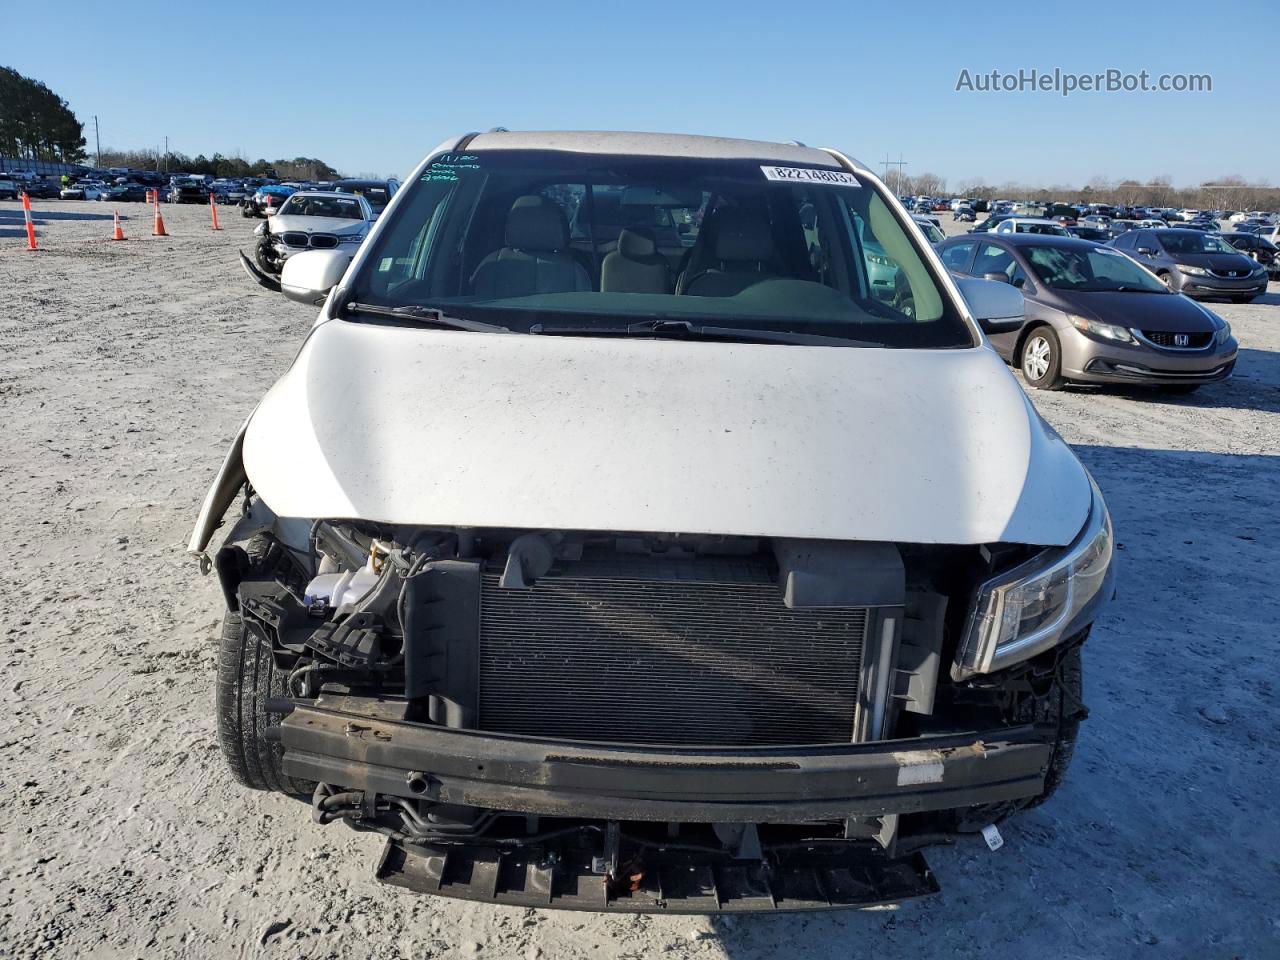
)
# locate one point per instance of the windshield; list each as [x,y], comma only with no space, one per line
[338,207]
[376,196]
[556,239]
[1089,270]
[1181,242]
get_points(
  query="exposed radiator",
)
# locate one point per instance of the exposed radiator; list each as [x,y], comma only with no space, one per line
[681,652]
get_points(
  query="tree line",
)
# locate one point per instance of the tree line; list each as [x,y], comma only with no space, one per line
[1223,193]
[299,168]
[35,123]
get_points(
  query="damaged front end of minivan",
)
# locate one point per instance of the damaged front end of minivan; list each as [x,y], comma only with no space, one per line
[613,720]
[652,623]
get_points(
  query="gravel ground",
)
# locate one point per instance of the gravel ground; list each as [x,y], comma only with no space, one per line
[125,369]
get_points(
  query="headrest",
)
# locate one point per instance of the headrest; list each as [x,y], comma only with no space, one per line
[536,223]
[743,235]
[635,245]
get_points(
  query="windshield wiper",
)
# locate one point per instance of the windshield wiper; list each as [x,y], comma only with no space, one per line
[686,330]
[427,316]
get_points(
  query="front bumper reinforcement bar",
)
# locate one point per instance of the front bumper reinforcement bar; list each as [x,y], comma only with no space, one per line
[360,747]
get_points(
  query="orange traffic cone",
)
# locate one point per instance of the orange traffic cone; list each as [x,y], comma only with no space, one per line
[31,227]
[119,233]
[213,209]
[159,230]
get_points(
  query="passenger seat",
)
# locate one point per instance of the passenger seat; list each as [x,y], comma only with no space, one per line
[536,258]
[635,266]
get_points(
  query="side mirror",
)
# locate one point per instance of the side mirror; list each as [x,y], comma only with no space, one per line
[997,306]
[308,277]
[1146,252]
[996,277]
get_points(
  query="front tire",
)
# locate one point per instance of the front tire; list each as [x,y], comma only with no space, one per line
[1042,359]
[266,259]
[1063,706]
[247,677]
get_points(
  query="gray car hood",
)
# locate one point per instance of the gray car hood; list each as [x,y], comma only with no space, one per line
[1167,312]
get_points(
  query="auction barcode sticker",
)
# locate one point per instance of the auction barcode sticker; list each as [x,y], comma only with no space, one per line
[811,175]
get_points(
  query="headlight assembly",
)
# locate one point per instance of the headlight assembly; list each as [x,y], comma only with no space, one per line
[1223,333]
[1106,331]
[1193,271]
[1029,609]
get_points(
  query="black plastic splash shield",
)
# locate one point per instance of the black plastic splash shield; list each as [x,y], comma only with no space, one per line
[801,881]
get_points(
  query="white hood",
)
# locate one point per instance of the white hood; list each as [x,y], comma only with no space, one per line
[437,427]
[280,223]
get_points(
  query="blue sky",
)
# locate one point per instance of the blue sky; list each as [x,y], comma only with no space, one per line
[372,87]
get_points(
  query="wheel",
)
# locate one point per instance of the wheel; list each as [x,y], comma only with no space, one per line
[247,677]
[1062,705]
[266,260]
[1066,707]
[1041,359]
[1180,388]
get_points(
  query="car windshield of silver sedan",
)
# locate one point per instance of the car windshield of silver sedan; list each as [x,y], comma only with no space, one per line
[339,208]
[1090,270]
[553,242]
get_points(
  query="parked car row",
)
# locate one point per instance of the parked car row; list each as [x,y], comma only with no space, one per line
[1111,313]
[267,199]
[254,194]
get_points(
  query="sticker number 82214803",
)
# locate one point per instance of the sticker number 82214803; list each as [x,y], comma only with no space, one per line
[811,175]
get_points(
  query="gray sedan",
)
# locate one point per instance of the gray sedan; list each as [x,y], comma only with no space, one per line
[1094,316]
[1195,263]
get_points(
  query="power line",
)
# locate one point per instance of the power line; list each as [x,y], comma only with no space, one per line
[899,163]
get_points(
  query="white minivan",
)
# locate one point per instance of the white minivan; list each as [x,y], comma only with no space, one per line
[614,542]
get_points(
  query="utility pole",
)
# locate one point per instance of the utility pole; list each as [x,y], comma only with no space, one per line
[166,154]
[899,163]
[97,143]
